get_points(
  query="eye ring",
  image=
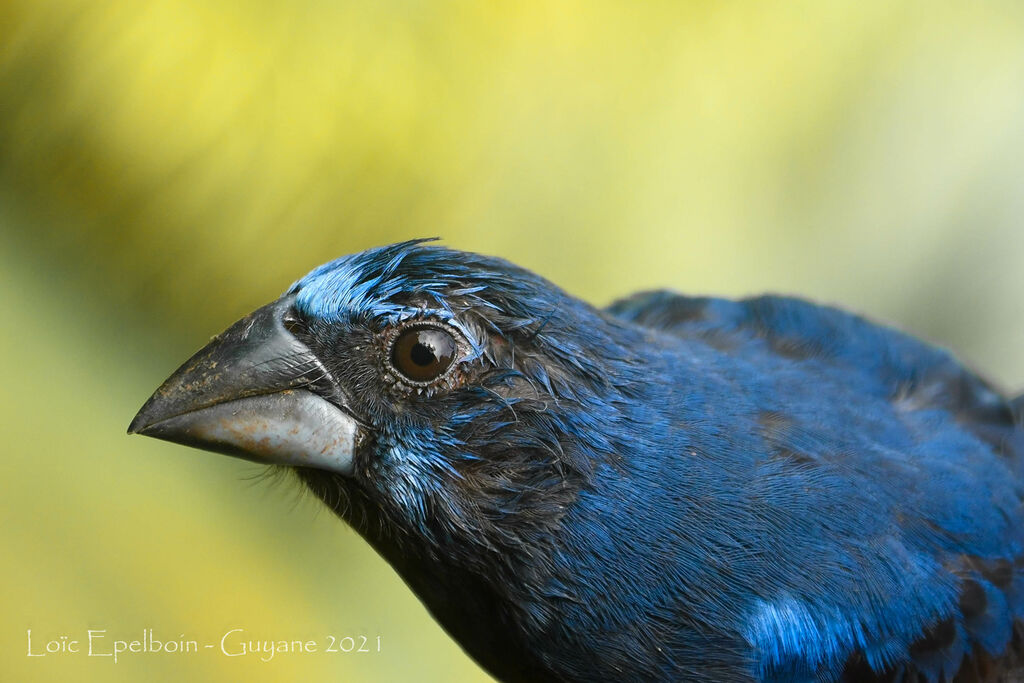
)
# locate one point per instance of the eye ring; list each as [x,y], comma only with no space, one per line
[423,353]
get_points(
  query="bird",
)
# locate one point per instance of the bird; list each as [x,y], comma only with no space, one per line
[669,488]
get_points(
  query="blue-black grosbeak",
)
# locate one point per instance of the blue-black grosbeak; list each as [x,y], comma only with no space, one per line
[671,488]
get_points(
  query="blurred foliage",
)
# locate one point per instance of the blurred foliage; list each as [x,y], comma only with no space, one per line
[167,166]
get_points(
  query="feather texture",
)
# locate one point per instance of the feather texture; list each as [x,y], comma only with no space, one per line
[675,487]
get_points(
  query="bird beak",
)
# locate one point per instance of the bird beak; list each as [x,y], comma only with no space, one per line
[250,393]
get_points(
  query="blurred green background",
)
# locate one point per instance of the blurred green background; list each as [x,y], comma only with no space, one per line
[167,166]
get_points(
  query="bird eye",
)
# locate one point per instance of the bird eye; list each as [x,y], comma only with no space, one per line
[422,354]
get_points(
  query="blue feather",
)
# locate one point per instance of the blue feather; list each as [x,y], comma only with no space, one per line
[676,487]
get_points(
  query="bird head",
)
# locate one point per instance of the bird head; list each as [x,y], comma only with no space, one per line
[451,402]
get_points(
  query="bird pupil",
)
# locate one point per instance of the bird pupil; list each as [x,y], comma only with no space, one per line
[422,355]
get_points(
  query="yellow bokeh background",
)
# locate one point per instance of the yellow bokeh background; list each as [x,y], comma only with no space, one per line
[167,166]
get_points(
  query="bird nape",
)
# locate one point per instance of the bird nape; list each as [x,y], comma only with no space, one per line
[671,488]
